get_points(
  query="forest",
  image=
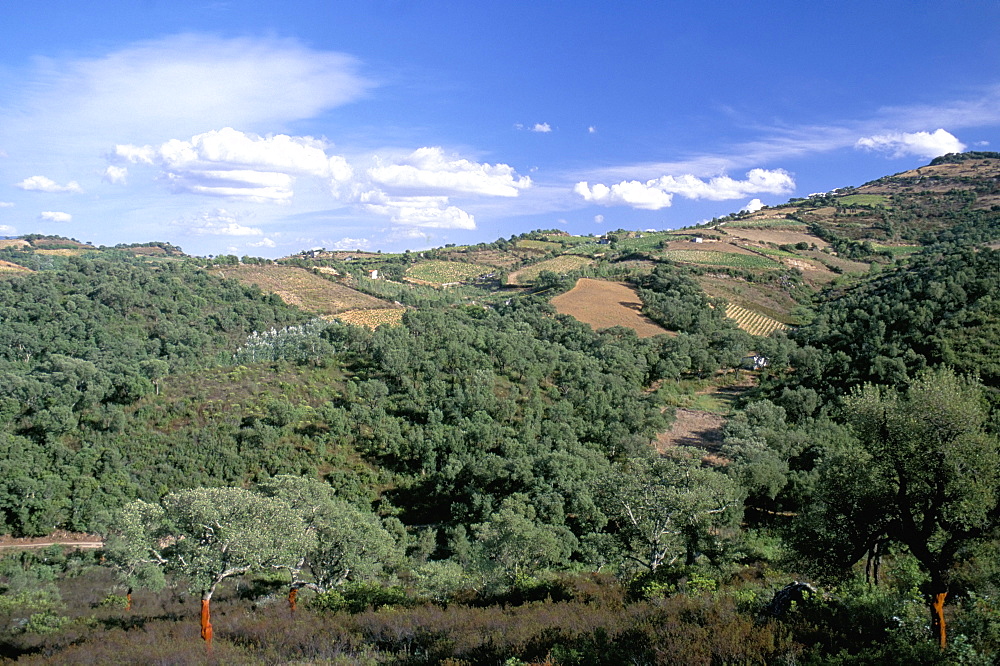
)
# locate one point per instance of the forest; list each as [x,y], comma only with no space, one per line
[482,482]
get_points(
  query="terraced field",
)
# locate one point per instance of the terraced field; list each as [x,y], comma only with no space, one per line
[752,322]
[716,258]
[301,288]
[446,272]
[563,264]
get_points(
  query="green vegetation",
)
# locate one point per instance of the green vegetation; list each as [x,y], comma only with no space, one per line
[488,481]
[729,259]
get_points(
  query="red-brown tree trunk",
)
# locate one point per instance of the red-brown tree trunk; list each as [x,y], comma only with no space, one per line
[128,600]
[292,598]
[206,622]
[937,619]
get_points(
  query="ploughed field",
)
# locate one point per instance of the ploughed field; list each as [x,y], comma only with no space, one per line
[603,304]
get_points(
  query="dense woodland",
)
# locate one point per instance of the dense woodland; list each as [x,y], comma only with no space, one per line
[479,483]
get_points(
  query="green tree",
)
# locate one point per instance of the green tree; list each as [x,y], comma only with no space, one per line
[349,543]
[210,534]
[667,508]
[924,474]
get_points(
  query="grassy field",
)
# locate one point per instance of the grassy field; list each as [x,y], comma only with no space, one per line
[446,272]
[863,200]
[603,304]
[8,267]
[303,289]
[563,264]
[897,250]
[729,259]
[753,323]
[538,246]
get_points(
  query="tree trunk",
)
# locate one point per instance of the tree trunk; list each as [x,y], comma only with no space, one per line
[292,598]
[937,619]
[128,600]
[206,621]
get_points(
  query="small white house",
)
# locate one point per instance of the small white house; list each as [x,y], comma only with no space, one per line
[373,274]
[697,239]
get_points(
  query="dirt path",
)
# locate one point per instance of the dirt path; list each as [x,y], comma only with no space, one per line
[60,538]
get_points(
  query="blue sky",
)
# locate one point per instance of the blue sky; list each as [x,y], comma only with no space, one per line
[267,128]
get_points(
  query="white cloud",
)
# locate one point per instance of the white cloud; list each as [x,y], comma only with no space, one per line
[591,130]
[428,168]
[920,144]
[599,219]
[218,222]
[234,164]
[7,230]
[116,175]
[182,83]
[351,244]
[43,184]
[631,193]
[753,206]
[6,204]
[417,211]
[266,242]
[543,128]
[659,192]
[55,216]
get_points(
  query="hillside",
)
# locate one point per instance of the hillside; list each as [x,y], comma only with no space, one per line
[549,447]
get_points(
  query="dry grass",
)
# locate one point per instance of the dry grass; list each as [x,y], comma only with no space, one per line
[303,289]
[65,252]
[372,318]
[8,267]
[604,304]
[18,243]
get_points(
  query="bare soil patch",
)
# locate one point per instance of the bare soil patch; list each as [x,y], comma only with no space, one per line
[57,538]
[776,236]
[604,304]
[693,428]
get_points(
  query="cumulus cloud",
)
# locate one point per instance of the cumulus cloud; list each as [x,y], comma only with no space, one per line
[417,211]
[6,204]
[659,192]
[218,222]
[55,216]
[7,230]
[599,219]
[543,128]
[919,144]
[115,175]
[265,242]
[591,130]
[234,164]
[43,184]
[429,168]
[646,196]
[753,206]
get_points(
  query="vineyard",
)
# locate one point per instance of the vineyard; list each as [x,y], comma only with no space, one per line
[372,319]
[728,259]
[446,272]
[563,264]
[765,223]
[752,322]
